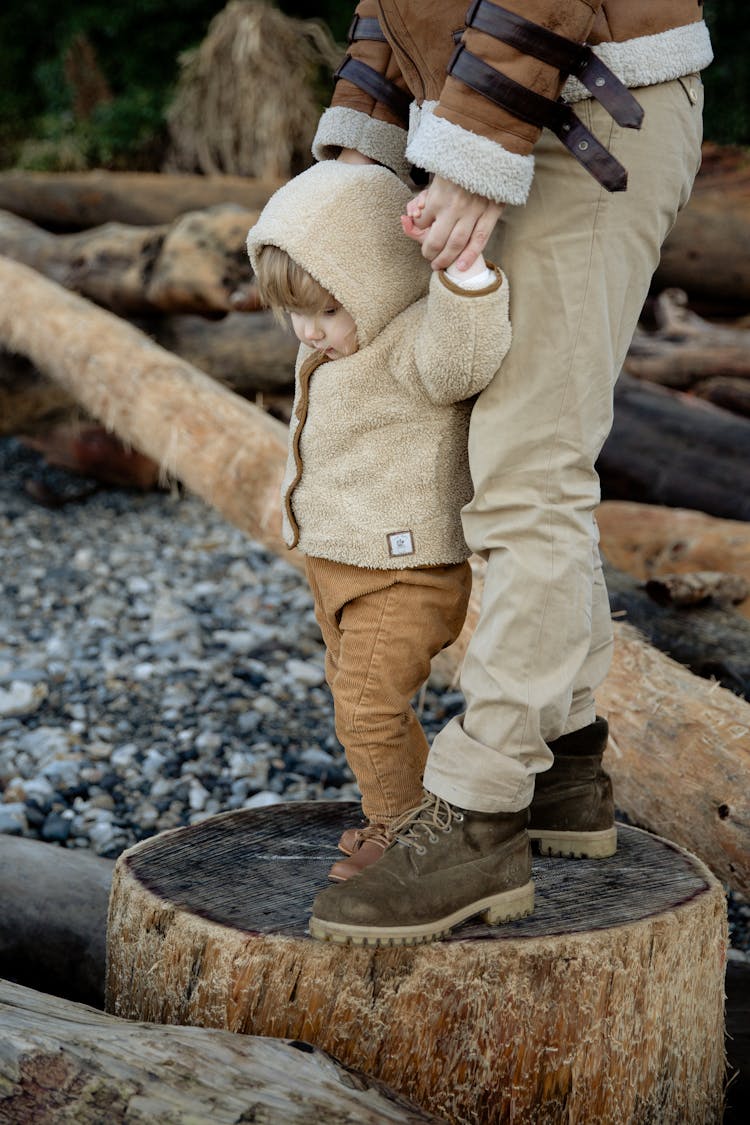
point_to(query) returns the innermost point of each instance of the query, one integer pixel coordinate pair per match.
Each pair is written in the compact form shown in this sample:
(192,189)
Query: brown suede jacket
(459,132)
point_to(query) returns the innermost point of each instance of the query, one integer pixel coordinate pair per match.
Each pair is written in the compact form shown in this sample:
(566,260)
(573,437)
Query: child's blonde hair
(283,285)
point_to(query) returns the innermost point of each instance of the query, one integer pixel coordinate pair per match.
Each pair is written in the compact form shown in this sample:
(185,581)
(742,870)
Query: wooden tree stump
(605,1006)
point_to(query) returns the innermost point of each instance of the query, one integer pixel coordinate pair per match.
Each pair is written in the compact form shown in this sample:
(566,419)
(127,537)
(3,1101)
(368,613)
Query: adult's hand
(458,224)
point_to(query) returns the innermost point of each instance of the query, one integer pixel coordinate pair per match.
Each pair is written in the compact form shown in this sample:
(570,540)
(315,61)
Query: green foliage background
(138,43)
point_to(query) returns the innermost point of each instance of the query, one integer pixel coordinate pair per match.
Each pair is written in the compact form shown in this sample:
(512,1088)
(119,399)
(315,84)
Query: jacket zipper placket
(306,373)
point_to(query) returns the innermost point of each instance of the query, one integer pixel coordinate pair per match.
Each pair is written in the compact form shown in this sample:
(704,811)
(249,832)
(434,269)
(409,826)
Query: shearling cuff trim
(341,127)
(651,59)
(469,160)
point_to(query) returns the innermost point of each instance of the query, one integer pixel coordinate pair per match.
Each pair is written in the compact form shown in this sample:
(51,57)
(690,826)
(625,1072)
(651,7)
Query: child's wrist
(473,278)
(477,269)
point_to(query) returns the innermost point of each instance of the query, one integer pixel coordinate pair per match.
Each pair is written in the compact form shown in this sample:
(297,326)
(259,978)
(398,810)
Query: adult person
(579,123)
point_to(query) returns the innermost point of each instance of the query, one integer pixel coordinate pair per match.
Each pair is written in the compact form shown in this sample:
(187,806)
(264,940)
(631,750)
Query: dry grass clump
(246,101)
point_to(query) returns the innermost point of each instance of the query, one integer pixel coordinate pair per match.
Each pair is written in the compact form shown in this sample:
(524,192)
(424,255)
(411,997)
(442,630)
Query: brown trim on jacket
(450,284)
(309,367)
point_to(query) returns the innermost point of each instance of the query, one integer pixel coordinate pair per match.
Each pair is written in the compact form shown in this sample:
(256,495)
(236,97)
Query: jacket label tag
(400,543)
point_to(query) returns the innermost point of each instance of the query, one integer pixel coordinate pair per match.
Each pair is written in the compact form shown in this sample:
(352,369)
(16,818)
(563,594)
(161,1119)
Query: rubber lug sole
(574,845)
(494,910)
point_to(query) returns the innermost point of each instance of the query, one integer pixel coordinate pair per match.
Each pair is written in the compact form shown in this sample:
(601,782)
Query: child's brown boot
(366,845)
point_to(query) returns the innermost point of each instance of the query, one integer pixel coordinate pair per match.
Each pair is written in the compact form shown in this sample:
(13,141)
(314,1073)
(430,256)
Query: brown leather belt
(364,28)
(543,112)
(378,87)
(569,58)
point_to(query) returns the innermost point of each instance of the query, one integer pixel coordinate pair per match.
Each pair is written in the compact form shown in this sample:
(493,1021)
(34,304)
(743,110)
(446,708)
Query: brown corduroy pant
(381,629)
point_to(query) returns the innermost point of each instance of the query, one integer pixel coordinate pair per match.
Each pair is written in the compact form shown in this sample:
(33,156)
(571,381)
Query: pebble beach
(157,667)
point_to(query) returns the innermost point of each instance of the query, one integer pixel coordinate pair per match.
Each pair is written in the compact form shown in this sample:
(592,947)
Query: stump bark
(606,1005)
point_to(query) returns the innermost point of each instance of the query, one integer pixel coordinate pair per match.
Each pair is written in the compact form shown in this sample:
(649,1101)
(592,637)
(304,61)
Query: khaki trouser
(579,262)
(381,629)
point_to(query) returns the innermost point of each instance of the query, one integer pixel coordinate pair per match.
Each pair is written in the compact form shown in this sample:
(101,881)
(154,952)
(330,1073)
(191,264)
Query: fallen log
(708,251)
(684,349)
(698,587)
(681,755)
(711,641)
(248,352)
(54,919)
(29,399)
(606,1004)
(61,1061)
(647,540)
(251,353)
(79,200)
(729,393)
(670,448)
(223,448)
(195,265)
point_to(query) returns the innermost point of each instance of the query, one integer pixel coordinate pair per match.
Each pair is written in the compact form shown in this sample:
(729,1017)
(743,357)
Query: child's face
(332,331)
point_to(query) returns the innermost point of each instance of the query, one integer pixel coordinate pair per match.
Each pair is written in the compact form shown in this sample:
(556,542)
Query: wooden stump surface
(258,870)
(606,1005)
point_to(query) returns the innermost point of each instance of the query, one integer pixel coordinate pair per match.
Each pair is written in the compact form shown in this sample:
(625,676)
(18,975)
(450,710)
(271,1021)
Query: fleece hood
(341,223)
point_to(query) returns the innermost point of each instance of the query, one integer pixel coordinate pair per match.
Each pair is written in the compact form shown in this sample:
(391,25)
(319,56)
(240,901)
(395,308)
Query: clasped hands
(451,224)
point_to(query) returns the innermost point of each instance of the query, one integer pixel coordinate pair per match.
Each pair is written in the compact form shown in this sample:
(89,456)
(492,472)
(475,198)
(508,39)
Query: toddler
(391,355)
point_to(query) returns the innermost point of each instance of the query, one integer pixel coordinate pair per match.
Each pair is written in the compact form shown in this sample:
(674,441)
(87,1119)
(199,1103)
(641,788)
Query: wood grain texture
(65,1064)
(78,200)
(606,1005)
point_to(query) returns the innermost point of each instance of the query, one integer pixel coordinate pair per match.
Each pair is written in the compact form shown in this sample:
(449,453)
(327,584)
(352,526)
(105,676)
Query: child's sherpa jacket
(378,467)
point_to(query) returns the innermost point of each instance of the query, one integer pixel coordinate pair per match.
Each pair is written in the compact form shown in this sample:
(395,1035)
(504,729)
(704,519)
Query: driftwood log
(64,1062)
(605,1005)
(221,446)
(251,353)
(708,251)
(28,399)
(680,755)
(53,919)
(196,264)
(670,448)
(684,351)
(648,540)
(76,201)
(248,352)
(710,640)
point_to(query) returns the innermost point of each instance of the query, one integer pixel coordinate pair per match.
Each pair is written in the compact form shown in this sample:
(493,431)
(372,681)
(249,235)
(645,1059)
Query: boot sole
(494,909)
(575,845)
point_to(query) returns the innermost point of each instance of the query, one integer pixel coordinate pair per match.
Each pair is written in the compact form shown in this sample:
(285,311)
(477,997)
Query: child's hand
(414,209)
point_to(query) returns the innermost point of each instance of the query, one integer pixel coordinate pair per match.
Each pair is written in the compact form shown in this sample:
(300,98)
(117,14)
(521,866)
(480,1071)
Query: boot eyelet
(432,838)
(421,849)
(448,828)
(459,816)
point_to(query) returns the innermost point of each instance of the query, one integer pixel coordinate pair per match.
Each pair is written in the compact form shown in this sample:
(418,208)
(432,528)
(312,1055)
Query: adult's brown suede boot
(573,813)
(445,865)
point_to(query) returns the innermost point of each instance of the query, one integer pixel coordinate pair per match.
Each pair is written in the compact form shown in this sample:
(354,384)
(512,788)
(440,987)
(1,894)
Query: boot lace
(377,833)
(422,823)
